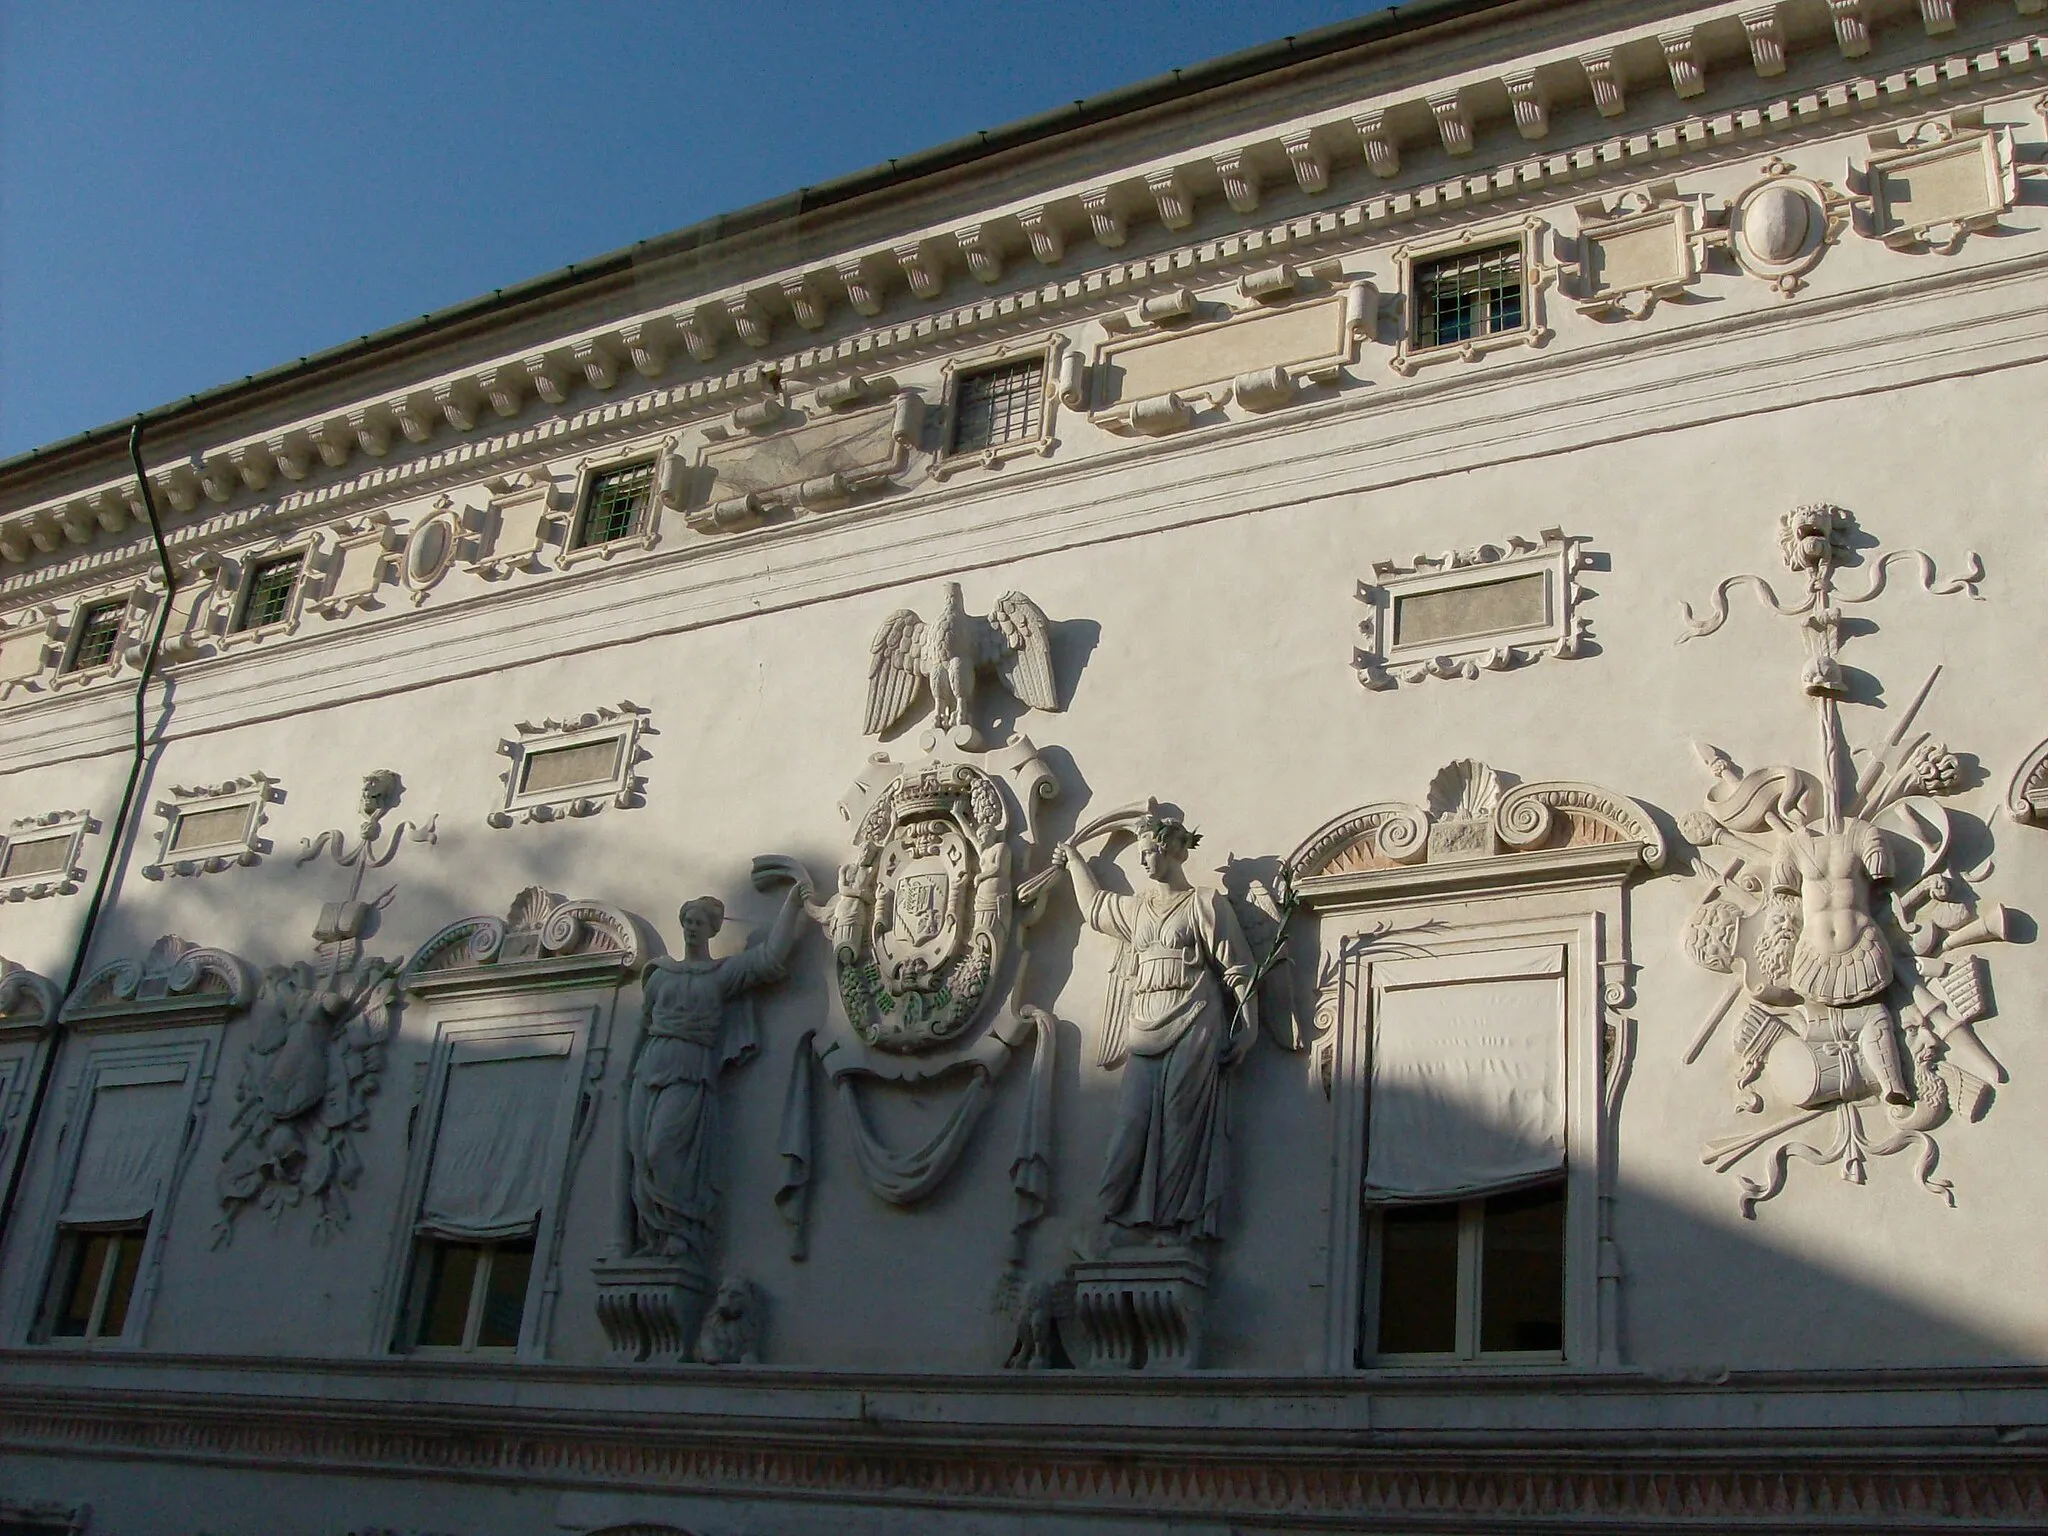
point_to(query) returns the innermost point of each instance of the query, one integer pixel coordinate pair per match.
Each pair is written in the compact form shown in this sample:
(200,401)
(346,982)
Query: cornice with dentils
(714,345)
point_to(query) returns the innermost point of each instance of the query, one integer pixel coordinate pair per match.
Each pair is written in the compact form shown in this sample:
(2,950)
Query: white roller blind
(1467,1085)
(132,1134)
(493,1150)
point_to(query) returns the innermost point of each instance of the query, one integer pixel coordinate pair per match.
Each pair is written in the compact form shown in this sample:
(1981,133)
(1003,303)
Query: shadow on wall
(1700,1290)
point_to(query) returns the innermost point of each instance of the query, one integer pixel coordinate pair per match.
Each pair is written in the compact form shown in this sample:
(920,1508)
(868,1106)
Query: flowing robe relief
(696,1022)
(1166,1166)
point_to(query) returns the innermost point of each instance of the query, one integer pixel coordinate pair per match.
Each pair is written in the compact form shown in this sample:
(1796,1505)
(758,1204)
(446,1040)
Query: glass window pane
(1521,1282)
(127,1261)
(451,1274)
(81,1283)
(613,505)
(505,1296)
(1418,1280)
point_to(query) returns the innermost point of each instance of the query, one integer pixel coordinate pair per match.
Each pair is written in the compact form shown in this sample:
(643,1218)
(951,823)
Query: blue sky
(191,192)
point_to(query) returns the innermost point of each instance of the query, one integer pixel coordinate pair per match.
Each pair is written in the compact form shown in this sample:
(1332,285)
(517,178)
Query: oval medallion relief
(430,550)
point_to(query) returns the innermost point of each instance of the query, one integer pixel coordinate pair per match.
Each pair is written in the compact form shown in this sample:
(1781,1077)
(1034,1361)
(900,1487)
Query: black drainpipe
(118,829)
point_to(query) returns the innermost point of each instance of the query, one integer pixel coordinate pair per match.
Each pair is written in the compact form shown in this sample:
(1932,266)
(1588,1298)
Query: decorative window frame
(28,1021)
(626,790)
(1635,213)
(648,534)
(338,551)
(1382,663)
(1484,867)
(237,575)
(33,630)
(79,825)
(419,569)
(1537,275)
(514,1026)
(138,600)
(1050,349)
(256,792)
(1960,135)
(2026,797)
(192,1061)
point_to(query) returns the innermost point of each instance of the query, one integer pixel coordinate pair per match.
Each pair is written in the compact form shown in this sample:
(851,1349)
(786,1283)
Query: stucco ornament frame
(252,793)
(848,443)
(439,540)
(1537,275)
(1836,902)
(1617,231)
(2026,798)
(1957,143)
(28,1019)
(553,965)
(928,922)
(231,590)
(1485,866)
(138,599)
(1052,351)
(1779,227)
(74,827)
(641,538)
(174,983)
(1382,660)
(624,789)
(25,647)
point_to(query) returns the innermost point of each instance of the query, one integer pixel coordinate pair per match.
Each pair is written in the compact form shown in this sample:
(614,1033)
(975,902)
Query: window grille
(1474,294)
(999,405)
(99,630)
(269,599)
(613,505)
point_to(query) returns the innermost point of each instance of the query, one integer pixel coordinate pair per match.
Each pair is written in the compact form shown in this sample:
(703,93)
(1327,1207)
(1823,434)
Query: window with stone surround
(997,406)
(94,636)
(268,599)
(1470,294)
(614,504)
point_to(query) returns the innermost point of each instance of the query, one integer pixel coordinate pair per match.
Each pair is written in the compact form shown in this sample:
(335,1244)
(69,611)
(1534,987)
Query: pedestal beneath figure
(1140,1311)
(650,1307)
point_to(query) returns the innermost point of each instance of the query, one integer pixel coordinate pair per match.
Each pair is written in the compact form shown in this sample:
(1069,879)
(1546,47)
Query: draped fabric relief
(491,1156)
(131,1142)
(1467,1090)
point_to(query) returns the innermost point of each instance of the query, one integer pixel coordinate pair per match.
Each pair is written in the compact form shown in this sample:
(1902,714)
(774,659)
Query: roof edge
(1176,85)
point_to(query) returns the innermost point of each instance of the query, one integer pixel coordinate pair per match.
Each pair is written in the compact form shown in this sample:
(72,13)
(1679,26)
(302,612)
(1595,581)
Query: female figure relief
(1178,1017)
(696,1020)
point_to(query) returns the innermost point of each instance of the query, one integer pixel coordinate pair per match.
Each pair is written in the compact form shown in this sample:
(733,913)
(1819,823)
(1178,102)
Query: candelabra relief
(1841,904)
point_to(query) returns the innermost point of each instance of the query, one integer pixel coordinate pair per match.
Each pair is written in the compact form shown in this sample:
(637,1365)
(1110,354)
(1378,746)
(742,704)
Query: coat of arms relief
(1841,903)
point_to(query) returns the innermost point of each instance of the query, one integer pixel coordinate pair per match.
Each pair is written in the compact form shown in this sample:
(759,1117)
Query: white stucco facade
(1625,700)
